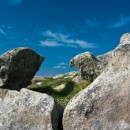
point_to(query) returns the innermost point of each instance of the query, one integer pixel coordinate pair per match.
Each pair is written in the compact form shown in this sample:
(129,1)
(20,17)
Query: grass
(62,96)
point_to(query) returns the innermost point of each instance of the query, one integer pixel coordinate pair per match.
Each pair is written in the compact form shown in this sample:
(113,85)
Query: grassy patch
(63,95)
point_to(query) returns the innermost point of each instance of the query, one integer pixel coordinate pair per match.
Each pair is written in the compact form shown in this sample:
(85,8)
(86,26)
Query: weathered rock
(82,58)
(18,67)
(104,104)
(38,78)
(89,66)
(105,58)
(62,86)
(28,110)
(66,75)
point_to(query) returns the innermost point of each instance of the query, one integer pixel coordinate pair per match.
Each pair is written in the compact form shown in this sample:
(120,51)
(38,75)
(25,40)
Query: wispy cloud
(49,43)
(64,40)
(61,65)
(2,32)
(122,22)
(91,23)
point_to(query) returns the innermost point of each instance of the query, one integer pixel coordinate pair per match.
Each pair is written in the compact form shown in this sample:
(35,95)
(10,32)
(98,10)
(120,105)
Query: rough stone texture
(89,66)
(104,104)
(80,59)
(105,58)
(18,67)
(28,110)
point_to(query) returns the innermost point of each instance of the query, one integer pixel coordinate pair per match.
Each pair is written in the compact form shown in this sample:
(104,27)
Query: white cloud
(122,22)
(49,43)
(84,44)
(61,65)
(59,39)
(51,34)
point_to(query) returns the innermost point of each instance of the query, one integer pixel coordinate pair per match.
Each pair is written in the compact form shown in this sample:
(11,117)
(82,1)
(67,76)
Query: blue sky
(60,29)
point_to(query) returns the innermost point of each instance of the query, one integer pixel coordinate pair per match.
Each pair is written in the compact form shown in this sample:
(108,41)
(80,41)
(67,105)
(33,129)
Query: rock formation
(18,67)
(104,104)
(66,75)
(28,110)
(89,65)
(25,110)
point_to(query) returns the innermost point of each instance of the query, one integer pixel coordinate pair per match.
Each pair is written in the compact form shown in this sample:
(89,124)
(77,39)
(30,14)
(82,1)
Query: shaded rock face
(104,104)
(28,110)
(18,67)
(89,66)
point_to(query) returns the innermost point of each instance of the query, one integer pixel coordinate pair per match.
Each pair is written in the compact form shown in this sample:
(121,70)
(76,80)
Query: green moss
(63,95)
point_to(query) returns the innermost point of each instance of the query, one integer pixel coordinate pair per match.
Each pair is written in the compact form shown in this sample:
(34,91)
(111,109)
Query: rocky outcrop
(89,66)
(104,104)
(18,67)
(25,110)
(66,75)
(105,58)
(28,110)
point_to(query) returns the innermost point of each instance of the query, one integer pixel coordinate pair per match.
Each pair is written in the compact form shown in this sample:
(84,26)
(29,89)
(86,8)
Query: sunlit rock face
(89,65)
(18,67)
(28,110)
(104,104)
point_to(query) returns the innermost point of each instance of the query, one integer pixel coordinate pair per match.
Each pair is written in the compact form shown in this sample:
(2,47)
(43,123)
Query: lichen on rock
(104,104)
(18,67)
(28,110)
(89,65)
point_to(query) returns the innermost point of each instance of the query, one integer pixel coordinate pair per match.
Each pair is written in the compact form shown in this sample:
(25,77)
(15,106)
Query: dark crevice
(56,117)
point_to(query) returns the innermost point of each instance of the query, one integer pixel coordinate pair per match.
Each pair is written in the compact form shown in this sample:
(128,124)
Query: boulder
(28,110)
(81,59)
(89,66)
(66,75)
(104,104)
(105,58)
(18,67)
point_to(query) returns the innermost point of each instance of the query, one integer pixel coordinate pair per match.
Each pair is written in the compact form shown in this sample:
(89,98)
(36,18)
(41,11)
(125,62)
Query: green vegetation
(63,94)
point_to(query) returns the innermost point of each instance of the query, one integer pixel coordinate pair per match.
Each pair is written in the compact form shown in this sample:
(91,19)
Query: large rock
(89,66)
(18,67)
(66,75)
(28,110)
(105,58)
(104,104)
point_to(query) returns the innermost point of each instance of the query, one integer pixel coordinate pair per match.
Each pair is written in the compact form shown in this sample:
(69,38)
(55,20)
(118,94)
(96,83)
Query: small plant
(62,96)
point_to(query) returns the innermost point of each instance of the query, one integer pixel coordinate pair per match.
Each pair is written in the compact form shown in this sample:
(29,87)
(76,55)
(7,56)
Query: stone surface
(28,110)
(38,78)
(39,83)
(18,67)
(89,66)
(66,75)
(105,58)
(62,86)
(104,104)
(80,59)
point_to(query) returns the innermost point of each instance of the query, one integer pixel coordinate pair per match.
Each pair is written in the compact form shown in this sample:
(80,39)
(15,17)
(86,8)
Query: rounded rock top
(22,64)
(124,38)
